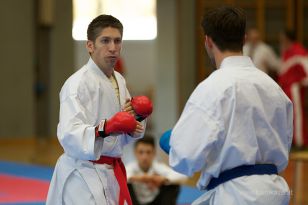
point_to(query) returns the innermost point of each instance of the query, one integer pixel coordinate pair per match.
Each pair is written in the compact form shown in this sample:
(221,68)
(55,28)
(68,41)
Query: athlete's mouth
(112,57)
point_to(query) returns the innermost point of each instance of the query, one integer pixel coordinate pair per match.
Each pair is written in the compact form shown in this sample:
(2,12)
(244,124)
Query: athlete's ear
(90,46)
(208,41)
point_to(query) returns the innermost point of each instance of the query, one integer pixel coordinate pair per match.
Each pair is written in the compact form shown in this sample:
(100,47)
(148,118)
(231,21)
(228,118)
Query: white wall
(17,69)
(140,62)
(166,96)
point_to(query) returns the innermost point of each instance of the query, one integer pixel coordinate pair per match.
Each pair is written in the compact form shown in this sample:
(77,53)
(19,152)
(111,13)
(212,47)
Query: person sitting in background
(262,55)
(149,181)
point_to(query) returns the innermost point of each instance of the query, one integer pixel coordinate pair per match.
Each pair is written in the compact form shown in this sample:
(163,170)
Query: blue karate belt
(244,170)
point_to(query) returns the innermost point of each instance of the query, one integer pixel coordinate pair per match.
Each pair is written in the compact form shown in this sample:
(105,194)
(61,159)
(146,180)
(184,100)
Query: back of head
(101,22)
(226,26)
(290,35)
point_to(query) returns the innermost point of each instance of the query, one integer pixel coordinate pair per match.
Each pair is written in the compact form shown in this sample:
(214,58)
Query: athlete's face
(145,154)
(106,49)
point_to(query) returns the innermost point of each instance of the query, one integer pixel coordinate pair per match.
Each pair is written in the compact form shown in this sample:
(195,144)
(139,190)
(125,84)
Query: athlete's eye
(117,41)
(105,40)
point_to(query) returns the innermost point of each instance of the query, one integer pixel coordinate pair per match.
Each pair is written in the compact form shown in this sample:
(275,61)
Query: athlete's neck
(108,72)
(220,56)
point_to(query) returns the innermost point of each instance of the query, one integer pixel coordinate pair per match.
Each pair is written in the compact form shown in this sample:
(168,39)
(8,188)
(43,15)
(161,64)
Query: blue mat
(26,170)
(187,194)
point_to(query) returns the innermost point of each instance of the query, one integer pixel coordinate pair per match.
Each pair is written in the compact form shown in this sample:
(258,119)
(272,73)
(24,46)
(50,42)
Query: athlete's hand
(128,107)
(139,128)
(158,180)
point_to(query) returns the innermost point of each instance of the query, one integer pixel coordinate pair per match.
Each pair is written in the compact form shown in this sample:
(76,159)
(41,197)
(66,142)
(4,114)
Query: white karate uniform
(237,116)
(87,98)
(143,192)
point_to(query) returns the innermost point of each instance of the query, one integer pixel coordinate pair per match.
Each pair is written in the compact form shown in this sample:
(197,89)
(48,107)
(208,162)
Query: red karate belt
(120,174)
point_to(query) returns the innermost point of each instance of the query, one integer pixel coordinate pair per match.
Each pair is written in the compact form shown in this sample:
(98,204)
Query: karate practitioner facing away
(236,127)
(97,118)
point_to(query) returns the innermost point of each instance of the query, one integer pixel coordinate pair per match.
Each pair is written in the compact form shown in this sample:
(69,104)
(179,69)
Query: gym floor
(29,162)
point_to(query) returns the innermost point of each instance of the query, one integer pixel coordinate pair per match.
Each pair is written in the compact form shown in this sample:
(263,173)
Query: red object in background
(295,50)
(290,81)
(119,66)
(14,189)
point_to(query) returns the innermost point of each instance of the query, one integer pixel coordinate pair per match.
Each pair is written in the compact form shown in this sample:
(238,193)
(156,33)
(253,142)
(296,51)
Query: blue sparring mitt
(164,141)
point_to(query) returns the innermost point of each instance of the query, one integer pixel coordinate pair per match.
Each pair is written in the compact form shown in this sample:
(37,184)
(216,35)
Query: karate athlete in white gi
(236,127)
(96,120)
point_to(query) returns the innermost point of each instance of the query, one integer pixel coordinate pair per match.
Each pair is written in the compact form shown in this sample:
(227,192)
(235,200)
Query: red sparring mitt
(142,106)
(121,122)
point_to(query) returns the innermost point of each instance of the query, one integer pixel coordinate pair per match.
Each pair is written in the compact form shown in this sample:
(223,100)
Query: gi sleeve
(272,61)
(76,130)
(172,176)
(195,140)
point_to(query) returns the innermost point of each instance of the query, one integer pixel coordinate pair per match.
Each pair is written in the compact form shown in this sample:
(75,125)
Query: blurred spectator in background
(151,182)
(293,80)
(261,54)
